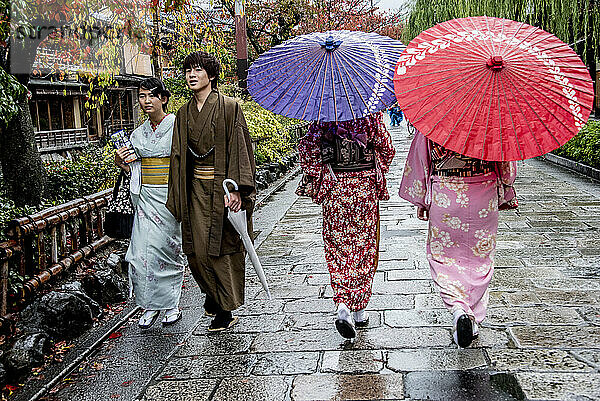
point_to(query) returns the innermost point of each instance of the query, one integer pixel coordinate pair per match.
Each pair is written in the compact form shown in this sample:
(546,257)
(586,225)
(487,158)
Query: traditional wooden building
(60,119)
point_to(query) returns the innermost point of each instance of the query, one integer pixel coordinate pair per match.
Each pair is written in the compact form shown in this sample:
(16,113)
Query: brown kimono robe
(213,247)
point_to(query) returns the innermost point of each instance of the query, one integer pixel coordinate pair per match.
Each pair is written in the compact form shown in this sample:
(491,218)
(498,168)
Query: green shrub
(175,103)
(585,146)
(269,131)
(8,212)
(89,172)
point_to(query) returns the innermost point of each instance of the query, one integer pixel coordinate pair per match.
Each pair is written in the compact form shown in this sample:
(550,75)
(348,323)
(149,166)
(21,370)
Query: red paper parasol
(493,89)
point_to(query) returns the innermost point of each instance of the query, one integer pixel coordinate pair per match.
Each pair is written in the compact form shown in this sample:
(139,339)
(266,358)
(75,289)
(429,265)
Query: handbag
(118,220)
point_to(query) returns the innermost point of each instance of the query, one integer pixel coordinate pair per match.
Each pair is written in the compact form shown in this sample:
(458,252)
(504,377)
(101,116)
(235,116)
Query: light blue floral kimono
(155,254)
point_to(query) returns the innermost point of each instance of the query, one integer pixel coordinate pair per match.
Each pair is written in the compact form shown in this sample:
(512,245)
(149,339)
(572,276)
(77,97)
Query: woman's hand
(422,213)
(234,202)
(121,155)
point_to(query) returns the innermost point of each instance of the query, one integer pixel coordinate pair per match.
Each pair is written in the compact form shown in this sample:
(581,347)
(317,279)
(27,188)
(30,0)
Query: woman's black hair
(157,88)
(206,61)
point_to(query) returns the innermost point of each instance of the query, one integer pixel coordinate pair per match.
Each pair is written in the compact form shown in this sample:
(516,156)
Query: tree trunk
(23,173)
(156,43)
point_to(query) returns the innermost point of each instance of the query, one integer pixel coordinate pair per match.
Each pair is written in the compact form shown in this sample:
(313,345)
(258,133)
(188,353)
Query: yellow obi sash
(204,172)
(155,170)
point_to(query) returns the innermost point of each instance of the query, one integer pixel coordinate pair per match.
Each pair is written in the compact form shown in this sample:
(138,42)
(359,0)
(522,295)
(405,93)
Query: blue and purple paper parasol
(327,76)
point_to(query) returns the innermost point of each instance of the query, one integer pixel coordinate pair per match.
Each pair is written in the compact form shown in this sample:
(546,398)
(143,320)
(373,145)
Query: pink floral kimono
(350,201)
(463,222)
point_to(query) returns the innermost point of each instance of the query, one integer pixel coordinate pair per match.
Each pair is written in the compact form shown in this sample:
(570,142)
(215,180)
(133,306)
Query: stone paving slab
(591,357)
(417,318)
(387,386)
(543,360)
(493,338)
(208,366)
(391,301)
(252,388)
(286,363)
(409,360)
(353,361)
(562,337)
(541,339)
(567,297)
(514,316)
(428,301)
(305,340)
(405,337)
(560,386)
(181,390)
(512,299)
(417,274)
(214,344)
(260,324)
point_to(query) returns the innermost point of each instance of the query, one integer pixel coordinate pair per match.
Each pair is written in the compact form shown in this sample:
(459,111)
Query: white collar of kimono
(162,127)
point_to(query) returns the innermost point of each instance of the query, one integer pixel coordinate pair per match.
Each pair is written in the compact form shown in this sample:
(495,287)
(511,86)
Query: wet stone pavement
(541,340)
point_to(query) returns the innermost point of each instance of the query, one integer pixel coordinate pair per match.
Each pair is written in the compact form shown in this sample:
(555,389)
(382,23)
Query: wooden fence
(44,244)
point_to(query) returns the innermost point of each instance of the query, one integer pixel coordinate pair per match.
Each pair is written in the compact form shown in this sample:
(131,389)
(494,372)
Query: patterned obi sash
(203,172)
(447,163)
(155,170)
(346,155)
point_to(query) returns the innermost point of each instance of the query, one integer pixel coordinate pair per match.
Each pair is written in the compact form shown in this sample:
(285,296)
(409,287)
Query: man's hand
(121,155)
(234,202)
(422,213)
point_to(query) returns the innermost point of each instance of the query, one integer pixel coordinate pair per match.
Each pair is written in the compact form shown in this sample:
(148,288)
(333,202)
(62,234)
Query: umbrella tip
(495,63)
(330,44)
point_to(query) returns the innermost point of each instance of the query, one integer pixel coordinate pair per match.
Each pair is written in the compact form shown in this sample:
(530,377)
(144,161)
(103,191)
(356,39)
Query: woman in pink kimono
(460,196)
(344,166)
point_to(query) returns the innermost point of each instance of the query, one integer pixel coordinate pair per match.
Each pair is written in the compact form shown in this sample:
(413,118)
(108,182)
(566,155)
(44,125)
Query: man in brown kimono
(210,143)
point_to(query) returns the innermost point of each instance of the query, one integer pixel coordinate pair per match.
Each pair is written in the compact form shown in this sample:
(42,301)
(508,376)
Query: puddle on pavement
(463,385)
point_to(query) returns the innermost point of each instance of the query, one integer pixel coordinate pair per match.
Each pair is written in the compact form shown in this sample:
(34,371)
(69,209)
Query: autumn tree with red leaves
(352,15)
(271,22)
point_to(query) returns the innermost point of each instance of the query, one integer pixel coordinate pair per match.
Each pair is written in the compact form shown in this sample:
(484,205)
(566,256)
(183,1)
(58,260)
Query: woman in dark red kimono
(344,166)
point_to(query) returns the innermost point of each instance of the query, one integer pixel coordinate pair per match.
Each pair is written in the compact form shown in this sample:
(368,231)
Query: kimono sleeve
(309,149)
(415,179)
(507,196)
(174,195)
(241,167)
(315,181)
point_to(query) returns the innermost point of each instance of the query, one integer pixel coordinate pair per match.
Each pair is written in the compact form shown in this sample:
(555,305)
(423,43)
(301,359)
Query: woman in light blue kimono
(155,255)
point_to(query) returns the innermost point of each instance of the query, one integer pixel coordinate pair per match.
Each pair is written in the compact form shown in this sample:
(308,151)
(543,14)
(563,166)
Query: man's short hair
(206,61)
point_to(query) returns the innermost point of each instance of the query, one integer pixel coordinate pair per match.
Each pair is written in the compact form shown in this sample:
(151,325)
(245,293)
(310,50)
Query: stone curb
(573,165)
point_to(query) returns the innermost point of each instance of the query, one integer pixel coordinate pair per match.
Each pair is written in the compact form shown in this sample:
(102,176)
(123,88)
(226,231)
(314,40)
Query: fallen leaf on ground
(97,365)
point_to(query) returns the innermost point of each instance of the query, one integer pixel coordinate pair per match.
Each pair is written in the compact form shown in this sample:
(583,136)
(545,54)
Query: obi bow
(359,137)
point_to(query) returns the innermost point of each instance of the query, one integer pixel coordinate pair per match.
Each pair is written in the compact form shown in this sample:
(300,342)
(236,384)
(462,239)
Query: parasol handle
(232,182)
